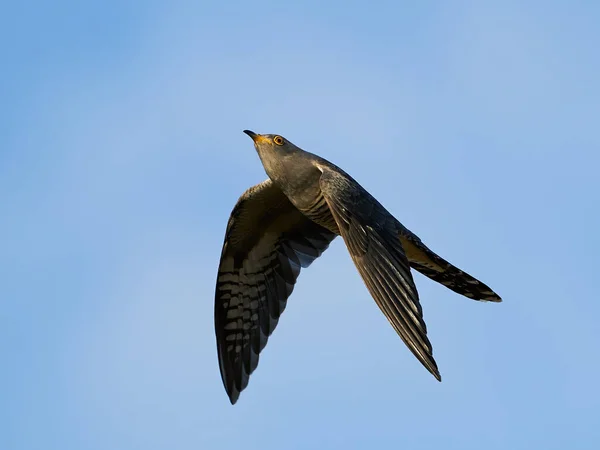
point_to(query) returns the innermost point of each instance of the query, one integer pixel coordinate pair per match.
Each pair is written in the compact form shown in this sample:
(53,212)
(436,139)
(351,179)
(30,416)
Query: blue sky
(122,154)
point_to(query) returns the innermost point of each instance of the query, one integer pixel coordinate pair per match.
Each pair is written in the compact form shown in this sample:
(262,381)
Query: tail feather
(433,266)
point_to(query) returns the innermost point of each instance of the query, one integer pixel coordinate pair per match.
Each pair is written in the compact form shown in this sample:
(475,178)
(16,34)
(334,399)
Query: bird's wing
(370,235)
(266,243)
(433,266)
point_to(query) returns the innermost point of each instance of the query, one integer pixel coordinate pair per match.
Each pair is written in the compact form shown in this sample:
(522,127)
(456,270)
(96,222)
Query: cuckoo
(283,224)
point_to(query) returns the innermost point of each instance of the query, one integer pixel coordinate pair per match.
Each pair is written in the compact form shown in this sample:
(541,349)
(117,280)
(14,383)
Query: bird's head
(269,143)
(280,158)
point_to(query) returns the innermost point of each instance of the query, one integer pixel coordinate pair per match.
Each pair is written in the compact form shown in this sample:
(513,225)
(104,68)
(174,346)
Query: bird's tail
(433,266)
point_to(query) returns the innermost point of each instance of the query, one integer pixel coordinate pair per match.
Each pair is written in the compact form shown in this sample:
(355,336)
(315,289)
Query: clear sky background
(122,153)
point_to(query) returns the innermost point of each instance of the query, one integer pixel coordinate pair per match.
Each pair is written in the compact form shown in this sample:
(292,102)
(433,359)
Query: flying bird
(286,222)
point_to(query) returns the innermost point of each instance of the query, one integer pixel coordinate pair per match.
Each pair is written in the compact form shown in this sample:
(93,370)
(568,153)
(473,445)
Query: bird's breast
(318,211)
(299,180)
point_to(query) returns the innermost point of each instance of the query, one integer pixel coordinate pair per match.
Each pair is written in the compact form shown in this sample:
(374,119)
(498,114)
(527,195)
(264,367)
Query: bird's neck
(289,171)
(274,163)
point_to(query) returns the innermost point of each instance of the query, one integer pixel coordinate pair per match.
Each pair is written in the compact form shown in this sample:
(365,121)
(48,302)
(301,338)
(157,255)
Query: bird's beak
(252,134)
(255,137)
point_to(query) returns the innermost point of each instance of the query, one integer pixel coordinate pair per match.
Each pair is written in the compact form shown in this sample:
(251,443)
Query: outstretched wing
(266,243)
(370,234)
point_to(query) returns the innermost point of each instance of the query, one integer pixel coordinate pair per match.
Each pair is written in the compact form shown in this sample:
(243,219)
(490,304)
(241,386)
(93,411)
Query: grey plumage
(283,224)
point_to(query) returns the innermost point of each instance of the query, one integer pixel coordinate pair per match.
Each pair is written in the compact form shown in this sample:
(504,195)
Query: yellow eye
(278,140)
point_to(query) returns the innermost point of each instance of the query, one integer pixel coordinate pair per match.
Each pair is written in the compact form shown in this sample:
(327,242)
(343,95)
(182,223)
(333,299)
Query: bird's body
(283,224)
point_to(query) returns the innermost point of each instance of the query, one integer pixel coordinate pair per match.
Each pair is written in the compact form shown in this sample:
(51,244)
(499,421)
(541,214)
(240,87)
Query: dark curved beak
(252,134)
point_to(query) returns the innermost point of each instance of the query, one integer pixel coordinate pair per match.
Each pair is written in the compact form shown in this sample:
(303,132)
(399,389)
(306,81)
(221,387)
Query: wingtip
(233,397)
(433,370)
(232,394)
